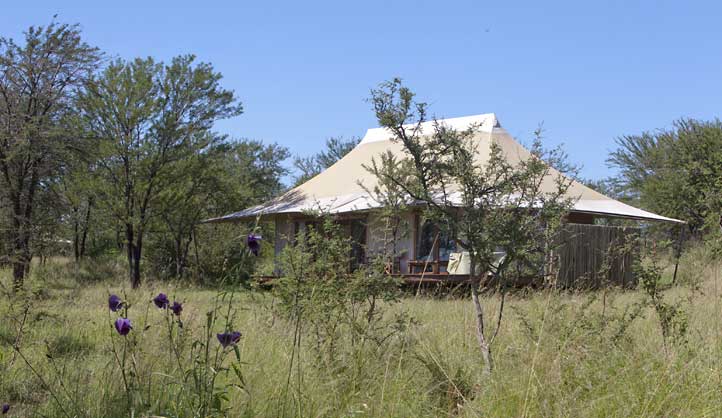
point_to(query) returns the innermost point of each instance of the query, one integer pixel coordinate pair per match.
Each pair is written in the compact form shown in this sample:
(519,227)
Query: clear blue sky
(590,71)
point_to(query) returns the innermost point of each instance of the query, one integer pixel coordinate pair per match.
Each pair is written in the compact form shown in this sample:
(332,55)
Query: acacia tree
(675,172)
(38,81)
(148,117)
(485,207)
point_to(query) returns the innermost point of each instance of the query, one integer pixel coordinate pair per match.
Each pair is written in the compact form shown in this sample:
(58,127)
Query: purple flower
(161,301)
(123,326)
(114,303)
(229,338)
(254,243)
(177,308)
(5,408)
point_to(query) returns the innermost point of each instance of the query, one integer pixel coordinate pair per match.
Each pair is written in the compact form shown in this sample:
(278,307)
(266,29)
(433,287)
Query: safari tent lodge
(342,191)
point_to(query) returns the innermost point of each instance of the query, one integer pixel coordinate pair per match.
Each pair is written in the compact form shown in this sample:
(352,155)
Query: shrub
(673,320)
(342,312)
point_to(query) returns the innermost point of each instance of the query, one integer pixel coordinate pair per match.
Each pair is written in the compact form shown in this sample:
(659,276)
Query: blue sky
(589,71)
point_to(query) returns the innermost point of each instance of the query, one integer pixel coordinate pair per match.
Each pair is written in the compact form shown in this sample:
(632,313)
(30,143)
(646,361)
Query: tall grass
(557,355)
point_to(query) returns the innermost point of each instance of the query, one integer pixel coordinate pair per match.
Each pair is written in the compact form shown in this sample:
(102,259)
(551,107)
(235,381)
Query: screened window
(433,244)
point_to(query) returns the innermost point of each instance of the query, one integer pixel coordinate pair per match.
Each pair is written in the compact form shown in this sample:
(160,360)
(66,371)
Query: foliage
(673,320)
(676,172)
(76,187)
(38,82)
(222,179)
(341,311)
(98,161)
(485,207)
(163,115)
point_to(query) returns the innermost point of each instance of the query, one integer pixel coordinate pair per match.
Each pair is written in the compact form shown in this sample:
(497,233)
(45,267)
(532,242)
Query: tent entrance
(432,248)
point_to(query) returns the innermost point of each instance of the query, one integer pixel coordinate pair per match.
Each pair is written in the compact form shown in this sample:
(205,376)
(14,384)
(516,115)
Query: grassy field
(557,355)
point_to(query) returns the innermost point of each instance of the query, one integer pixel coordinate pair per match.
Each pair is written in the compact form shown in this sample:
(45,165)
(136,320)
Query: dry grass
(557,355)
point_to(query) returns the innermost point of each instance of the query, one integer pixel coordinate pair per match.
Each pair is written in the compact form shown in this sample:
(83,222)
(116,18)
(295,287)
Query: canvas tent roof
(342,187)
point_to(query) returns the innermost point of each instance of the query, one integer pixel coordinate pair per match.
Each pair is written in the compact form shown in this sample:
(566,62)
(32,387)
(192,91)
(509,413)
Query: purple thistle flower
(177,308)
(161,301)
(5,408)
(254,243)
(115,303)
(229,338)
(123,326)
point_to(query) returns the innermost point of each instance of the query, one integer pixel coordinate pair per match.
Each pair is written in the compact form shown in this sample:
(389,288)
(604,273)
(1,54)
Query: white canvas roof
(341,188)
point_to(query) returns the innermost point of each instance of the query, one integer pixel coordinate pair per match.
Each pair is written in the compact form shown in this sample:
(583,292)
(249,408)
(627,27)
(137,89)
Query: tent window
(434,244)
(358,243)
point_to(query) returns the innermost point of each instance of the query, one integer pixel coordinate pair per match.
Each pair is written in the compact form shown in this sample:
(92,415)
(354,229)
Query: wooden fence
(594,256)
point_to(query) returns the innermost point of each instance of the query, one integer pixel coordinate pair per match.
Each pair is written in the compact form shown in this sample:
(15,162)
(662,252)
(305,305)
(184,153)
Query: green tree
(148,117)
(228,175)
(38,81)
(309,167)
(676,172)
(484,206)
(74,187)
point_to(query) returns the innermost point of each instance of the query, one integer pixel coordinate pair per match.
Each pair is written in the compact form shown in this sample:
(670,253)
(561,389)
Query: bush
(342,312)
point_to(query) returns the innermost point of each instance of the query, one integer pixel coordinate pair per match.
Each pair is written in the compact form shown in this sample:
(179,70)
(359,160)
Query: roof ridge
(487,122)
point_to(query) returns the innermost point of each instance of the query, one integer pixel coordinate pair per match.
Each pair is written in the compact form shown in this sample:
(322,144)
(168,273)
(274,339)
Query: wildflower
(254,243)
(161,301)
(229,338)
(177,308)
(123,326)
(114,303)
(5,408)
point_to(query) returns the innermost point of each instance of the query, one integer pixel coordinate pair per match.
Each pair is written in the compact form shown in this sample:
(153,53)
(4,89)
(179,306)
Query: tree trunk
(119,242)
(133,255)
(21,265)
(136,256)
(135,272)
(83,239)
(186,251)
(129,249)
(483,344)
(20,257)
(85,229)
(178,244)
(194,239)
(22,225)
(18,273)
(76,236)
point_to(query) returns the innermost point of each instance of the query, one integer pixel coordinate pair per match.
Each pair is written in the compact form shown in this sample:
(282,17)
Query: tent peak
(486,122)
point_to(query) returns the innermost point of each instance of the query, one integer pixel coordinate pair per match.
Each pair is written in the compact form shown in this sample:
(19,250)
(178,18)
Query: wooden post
(678,253)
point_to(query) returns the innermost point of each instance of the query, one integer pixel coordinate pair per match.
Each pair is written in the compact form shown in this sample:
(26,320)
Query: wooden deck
(432,278)
(407,278)
(440,279)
